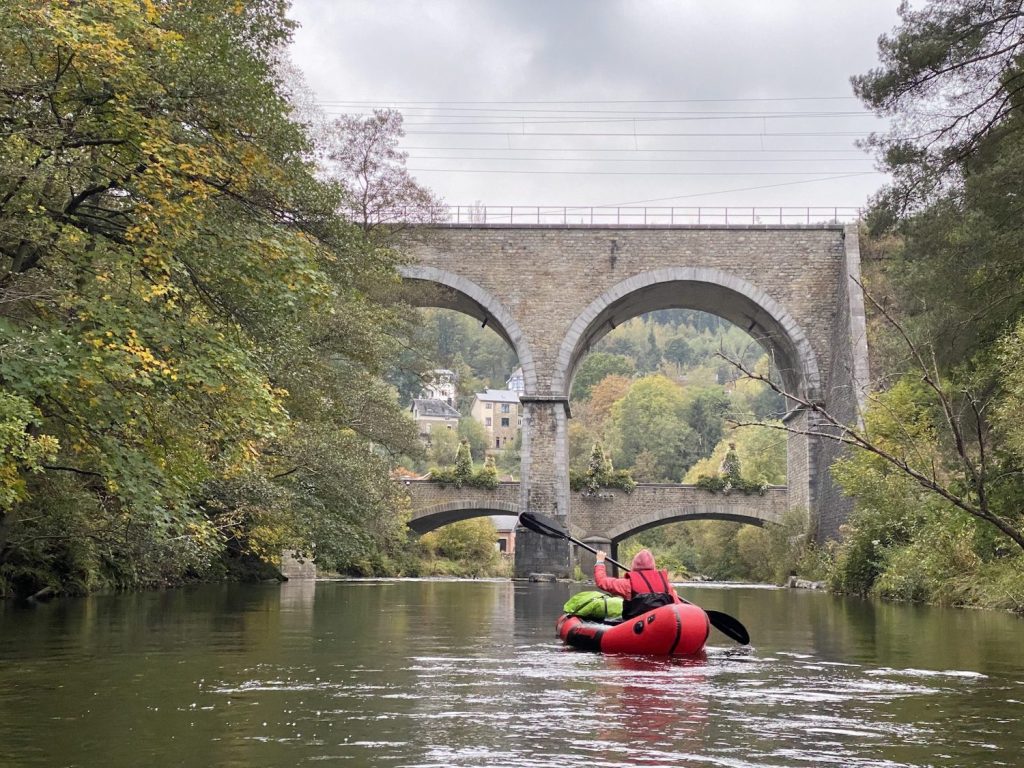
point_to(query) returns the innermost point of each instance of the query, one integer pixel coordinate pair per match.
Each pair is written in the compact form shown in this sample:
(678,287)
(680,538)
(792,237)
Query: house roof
(498,396)
(431,408)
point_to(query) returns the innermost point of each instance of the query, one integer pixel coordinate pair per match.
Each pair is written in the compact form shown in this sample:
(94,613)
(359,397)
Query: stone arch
(706,511)
(705,289)
(465,296)
(429,518)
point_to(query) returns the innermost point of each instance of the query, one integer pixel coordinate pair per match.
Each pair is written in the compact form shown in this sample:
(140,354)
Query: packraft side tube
(679,629)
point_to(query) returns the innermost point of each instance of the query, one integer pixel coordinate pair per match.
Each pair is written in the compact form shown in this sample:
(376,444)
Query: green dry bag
(593,605)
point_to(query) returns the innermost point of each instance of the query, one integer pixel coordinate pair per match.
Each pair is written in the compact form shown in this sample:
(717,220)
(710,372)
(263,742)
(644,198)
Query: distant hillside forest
(657,396)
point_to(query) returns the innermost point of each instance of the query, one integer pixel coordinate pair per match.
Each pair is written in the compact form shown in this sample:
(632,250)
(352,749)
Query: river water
(436,673)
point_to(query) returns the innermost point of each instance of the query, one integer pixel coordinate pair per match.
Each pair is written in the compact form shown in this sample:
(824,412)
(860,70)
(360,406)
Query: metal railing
(632,216)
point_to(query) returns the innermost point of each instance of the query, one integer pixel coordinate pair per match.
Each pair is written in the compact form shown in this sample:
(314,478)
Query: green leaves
(191,335)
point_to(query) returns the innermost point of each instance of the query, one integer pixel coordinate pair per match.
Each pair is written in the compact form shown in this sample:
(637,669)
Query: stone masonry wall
(845,392)
(545,277)
(551,291)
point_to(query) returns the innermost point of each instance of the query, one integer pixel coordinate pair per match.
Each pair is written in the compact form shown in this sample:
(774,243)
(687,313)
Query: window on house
(487,421)
(504,407)
(497,442)
(489,406)
(449,426)
(504,422)
(520,422)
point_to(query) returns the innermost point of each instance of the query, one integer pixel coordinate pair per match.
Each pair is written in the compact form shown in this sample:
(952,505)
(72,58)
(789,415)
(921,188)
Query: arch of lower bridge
(700,512)
(704,289)
(429,518)
(462,295)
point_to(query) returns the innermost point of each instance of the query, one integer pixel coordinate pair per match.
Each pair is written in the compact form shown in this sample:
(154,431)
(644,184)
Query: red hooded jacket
(634,583)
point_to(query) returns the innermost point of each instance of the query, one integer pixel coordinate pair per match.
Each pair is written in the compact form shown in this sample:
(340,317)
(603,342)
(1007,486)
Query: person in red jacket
(644,587)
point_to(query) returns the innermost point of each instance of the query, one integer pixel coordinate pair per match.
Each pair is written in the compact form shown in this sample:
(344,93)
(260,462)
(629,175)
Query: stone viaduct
(552,291)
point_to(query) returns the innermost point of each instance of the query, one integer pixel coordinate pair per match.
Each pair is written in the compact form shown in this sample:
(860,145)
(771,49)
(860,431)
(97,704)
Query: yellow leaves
(152,14)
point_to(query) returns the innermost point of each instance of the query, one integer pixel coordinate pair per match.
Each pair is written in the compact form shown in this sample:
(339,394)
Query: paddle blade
(545,526)
(727,625)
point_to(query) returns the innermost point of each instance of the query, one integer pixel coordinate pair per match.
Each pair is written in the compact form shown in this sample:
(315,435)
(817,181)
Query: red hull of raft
(679,629)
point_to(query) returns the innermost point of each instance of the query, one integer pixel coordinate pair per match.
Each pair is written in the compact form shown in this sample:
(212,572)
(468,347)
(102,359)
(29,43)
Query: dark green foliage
(705,413)
(486,477)
(601,474)
(945,521)
(720,484)
(463,464)
(466,548)
(595,368)
(192,337)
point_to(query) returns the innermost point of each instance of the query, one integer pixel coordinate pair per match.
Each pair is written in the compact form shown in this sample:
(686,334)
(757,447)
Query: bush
(620,478)
(485,478)
(721,484)
(600,474)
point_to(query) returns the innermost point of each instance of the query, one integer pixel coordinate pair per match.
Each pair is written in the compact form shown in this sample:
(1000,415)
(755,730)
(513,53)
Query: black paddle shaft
(545,526)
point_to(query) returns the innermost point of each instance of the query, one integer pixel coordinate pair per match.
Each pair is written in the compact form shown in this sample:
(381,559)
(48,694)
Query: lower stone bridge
(602,520)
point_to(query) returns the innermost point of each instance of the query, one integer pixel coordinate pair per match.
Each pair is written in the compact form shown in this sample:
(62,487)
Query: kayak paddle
(545,526)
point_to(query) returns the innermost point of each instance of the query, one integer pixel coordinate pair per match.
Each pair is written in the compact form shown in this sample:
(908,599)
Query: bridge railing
(633,216)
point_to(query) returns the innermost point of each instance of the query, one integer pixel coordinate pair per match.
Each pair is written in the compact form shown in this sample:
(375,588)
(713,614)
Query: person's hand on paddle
(600,557)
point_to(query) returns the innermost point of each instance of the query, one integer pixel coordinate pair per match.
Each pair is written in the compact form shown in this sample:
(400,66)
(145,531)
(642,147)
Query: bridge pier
(544,488)
(587,559)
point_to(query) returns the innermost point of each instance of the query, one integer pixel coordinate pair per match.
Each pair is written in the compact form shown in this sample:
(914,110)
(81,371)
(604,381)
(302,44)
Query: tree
(950,78)
(444,445)
(603,397)
(467,541)
(678,352)
(761,452)
(646,468)
(509,460)
(363,156)
(705,411)
(197,337)
(934,436)
(651,359)
(730,468)
(951,81)
(474,435)
(652,417)
(463,464)
(595,368)
(599,468)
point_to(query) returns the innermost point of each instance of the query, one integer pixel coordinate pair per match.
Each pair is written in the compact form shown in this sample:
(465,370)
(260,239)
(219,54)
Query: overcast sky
(610,102)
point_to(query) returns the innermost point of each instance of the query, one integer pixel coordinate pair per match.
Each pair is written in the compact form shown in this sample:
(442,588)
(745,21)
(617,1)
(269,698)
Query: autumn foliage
(175,287)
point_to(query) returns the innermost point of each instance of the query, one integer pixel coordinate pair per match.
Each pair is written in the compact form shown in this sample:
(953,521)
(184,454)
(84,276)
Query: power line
(616,117)
(729,191)
(443,120)
(597,101)
(635,134)
(644,160)
(636,173)
(631,150)
(596,116)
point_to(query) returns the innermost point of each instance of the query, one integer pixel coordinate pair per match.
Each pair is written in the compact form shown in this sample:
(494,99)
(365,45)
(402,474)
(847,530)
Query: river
(443,673)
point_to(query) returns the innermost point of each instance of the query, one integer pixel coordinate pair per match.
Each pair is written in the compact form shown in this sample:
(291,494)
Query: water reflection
(425,673)
(653,705)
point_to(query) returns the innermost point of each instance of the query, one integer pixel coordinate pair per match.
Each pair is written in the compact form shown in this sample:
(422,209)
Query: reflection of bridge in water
(552,290)
(603,520)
